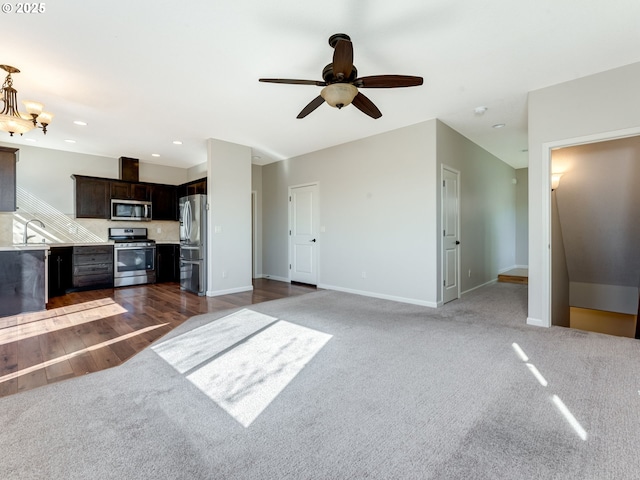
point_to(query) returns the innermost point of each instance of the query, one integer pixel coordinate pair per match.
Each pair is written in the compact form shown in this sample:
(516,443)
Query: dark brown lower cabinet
(167,263)
(22,282)
(60,270)
(93,266)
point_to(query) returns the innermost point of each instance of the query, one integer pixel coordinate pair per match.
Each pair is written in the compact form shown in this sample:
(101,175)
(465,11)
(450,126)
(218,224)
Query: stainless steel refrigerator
(193,244)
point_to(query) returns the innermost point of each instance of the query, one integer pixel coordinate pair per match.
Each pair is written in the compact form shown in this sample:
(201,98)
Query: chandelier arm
(10,101)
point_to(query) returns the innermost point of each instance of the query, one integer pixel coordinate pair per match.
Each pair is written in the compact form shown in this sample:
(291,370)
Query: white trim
(490,282)
(444,167)
(217,293)
(254,232)
(545,203)
(513,267)
(411,301)
(274,277)
(536,322)
(317,212)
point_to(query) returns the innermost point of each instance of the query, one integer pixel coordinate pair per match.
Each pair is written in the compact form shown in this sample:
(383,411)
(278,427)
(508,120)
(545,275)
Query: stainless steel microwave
(136,210)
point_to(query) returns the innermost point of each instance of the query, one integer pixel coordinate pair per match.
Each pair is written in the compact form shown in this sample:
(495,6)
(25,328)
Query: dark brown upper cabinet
(129,191)
(92,197)
(164,201)
(193,188)
(8,179)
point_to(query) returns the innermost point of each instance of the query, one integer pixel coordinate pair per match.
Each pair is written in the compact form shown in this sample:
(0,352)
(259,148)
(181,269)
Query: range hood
(129,169)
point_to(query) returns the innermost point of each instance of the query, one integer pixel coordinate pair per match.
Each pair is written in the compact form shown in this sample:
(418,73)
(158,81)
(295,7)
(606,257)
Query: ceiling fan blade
(387,81)
(343,59)
(317,83)
(313,104)
(365,105)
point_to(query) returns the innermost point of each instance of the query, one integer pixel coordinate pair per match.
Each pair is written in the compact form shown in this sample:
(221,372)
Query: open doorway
(595,204)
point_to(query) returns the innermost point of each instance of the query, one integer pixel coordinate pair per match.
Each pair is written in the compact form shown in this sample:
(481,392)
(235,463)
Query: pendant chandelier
(13,121)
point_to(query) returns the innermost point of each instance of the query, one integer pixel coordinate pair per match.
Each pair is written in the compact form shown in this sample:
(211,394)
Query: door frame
(540,279)
(444,167)
(289,227)
(254,235)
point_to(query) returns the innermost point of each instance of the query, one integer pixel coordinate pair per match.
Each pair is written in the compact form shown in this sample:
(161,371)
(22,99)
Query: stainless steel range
(134,257)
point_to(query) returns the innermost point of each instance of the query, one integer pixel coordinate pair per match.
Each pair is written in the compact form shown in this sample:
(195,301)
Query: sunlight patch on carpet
(190,349)
(244,360)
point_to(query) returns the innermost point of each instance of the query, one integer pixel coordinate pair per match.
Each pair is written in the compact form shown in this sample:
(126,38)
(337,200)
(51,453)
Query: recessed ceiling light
(155,154)
(177,142)
(499,125)
(256,157)
(70,141)
(80,122)
(480,110)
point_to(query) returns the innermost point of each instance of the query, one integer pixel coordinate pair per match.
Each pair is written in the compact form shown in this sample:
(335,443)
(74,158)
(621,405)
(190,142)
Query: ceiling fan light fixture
(339,95)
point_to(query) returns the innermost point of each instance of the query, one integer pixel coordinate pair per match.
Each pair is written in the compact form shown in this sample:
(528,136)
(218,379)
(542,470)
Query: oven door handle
(134,248)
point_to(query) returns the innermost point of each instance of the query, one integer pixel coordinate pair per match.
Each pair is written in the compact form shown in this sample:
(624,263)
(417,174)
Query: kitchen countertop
(30,246)
(47,246)
(79,244)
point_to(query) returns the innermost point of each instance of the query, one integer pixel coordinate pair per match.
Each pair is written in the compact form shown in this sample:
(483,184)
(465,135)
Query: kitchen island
(23,278)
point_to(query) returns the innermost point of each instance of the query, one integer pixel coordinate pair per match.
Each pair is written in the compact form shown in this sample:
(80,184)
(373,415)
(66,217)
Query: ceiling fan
(341,81)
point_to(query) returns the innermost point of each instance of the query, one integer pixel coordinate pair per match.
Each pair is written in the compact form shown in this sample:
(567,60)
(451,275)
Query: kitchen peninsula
(23,274)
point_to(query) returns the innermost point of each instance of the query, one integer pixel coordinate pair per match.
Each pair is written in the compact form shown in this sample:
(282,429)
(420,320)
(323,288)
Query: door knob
(314,240)
(457,242)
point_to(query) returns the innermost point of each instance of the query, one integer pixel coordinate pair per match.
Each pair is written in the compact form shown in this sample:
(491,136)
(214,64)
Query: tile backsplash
(61,228)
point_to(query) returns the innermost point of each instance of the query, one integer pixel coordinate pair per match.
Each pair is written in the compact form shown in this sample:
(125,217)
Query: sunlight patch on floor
(201,344)
(63,358)
(562,408)
(32,325)
(570,418)
(243,375)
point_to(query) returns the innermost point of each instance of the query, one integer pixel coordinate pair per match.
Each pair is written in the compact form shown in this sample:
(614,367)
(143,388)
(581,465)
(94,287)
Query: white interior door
(303,234)
(451,234)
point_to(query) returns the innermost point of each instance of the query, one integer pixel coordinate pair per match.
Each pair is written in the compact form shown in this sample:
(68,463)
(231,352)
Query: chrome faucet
(26,237)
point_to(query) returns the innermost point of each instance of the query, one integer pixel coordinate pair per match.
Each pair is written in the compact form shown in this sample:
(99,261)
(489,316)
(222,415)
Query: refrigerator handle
(187,219)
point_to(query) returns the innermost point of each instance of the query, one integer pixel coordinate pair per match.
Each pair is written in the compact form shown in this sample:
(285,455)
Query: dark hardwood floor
(85,332)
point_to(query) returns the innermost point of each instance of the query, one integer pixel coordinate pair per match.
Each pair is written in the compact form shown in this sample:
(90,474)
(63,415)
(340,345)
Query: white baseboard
(536,322)
(412,301)
(513,267)
(274,277)
(490,282)
(217,293)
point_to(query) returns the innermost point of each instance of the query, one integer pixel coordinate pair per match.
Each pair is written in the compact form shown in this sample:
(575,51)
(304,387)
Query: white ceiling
(144,73)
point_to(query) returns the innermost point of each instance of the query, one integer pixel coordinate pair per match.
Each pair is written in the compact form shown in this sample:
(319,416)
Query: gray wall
(377,201)
(599,207)
(560,315)
(522,217)
(487,208)
(380,207)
